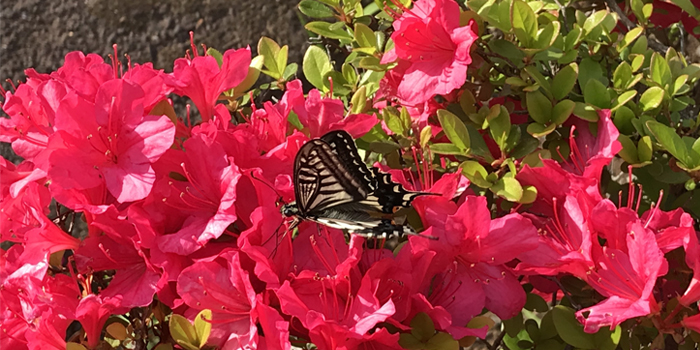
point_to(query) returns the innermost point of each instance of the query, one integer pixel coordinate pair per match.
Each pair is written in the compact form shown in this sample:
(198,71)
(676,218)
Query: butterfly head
(290,209)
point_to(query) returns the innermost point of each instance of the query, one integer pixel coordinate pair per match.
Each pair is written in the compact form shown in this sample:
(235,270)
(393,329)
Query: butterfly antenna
(280,199)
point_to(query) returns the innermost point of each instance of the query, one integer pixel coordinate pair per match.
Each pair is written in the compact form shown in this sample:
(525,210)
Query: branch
(652,41)
(497,341)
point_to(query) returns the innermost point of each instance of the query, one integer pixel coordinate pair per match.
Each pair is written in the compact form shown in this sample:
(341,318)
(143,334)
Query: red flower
(92,312)
(222,286)
(109,144)
(202,80)
(436,48)
(627,278)
(470,255)
(206,199)
(322,115)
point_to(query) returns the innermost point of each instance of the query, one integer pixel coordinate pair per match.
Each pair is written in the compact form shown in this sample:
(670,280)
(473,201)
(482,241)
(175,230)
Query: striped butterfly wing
(329,172)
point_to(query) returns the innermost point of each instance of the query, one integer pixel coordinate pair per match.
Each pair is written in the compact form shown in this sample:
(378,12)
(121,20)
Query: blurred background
(38,34)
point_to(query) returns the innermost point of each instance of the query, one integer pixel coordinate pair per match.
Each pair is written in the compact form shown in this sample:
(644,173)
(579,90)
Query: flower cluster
(183,218)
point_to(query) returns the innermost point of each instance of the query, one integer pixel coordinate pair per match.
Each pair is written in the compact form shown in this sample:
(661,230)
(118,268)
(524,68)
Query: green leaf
(454,129)
(660,71)
(585,112)
(645,149)
(315,65)
(623,98)
(594,21)
(315,9)
(564,81)
(596,94)
(290,71)
(328,30)
(269,49)
(631,36)
(425,135)
(539,130)
(442,341)
(569,329)
(647,10)
(499,125)
(446,148)
(539,107)
(359,100)
(535,302)
(183,332)
(524,22)
(547,36)
(422,327)
(588,70)
(629,151)
(622,76)
(606,339)
(670,140)
(509,188)
(476,173)
(202,325)
(365,36)
(651,98)
(547,328)
(539,78)
(562,111)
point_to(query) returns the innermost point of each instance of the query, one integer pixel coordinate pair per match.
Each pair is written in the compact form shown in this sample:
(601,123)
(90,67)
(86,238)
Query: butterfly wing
(324,177)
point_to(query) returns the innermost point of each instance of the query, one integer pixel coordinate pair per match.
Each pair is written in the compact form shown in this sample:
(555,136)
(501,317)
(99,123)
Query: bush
(546,153)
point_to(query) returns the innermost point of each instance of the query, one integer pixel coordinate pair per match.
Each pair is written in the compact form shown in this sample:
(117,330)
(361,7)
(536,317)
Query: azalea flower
(626,278)
(470,254)
(432,50)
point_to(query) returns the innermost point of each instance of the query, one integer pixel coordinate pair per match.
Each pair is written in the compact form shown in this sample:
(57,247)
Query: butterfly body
(334,187)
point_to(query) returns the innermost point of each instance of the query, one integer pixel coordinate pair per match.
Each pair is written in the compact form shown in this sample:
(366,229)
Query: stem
(497,341)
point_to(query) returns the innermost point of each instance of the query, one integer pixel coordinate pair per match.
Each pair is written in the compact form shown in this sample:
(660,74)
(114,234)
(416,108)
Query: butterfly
(334,187)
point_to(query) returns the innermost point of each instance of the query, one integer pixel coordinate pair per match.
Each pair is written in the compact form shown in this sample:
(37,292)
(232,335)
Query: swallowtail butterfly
(334,187)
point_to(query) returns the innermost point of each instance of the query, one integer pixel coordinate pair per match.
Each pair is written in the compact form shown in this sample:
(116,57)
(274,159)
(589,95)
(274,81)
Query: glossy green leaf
(660,71)
(588,70)
(315,9)
(183,332)
(476,173)
(670,140)
(425,135)
(629,151)
(569,329)
(651,98)
(630,37)
(622,76)
(328,30)
(442,341)
(315,65)
(535,302)
(359,100)
(606,339)
(365,36)
(454,129)
(623,98)
(524,22)
(508,188)
(564,81)
(596,94)
(562,111)
(202,325)
(514,325)
(446,148)
(539,107)
(539,130)
(422,327)
(645,149)
(585,112)
(269,49)
(547,328)
(547,36)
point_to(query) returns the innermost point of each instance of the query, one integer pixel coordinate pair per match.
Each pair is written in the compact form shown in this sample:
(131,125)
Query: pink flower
(565,241)
(436,48)
(222,286)
(202,80)
(92,312)
(589,152)
(206,199)
(692,258)
(321,115)
(627,278)
(110,143)
(470,255)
